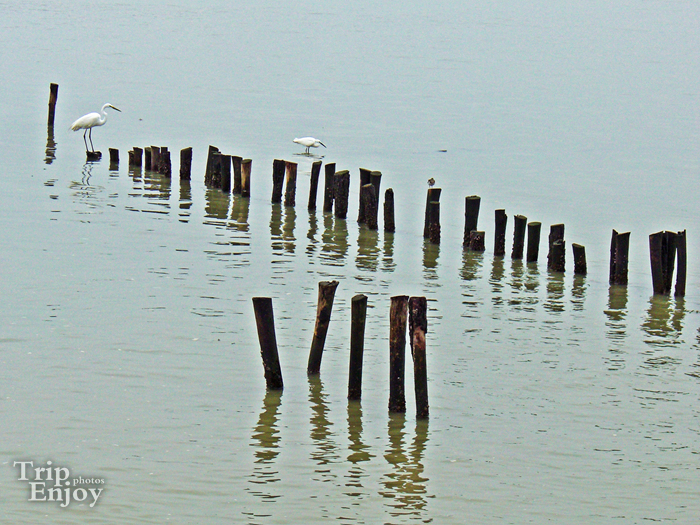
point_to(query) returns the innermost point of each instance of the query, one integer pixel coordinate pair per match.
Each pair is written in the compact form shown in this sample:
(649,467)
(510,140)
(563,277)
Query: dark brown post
(113,156)
(138,157)
(291,191)
(417,328)
(215,166)
(53,98)
(265,322)
(657,266)
(557,256)
(313,187)
(357,345)
(368,199)
(471,217)
(499,243)
(389,224)
(148,158)
(397,352)
(619,257)
(434,229)
(226,173)
(533,241)
(246,169)
(155,158)
(519,236)
(236,169)
(208,169)
(185,163)
(341,192)
(556,233)
(477,241)
(329,187)
(278,168)
(164,161)
(580,266)
(433,196)
(364,180)
(326,293)
(682,264)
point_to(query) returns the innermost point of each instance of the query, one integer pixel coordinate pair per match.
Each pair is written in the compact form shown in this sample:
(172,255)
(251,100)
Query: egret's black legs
(85,140)
(93,147)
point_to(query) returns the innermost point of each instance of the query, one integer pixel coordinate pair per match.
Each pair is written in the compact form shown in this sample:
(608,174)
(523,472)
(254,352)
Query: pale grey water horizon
(128,344)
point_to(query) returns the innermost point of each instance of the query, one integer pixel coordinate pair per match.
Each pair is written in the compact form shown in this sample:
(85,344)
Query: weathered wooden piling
(434,229)
(326,294)
(682,256)
(329,187)
(375,178)
(265,321)
(619,257)
(147,156)
(471,217)
(397,352)
(533,241)
(368,198)
(357,345)
(208,169)
(236,174)
(93,155)
(555,262)
(53,98)
(477,241)
(137,160)
(313,186)
(417,328)
(291,182)
(166,168)
(185,163)
(662,252)
(246,170)
(389,222)
(341,192)
(278,169)
(226,173)
(365,175)
(432,196)
(113,156)
(155,159)
(499,242)
(215,170)
(580,266)
(518,236)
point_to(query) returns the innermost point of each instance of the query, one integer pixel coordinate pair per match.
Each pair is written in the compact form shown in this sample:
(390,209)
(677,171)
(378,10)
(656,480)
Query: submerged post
(619,257)
(357,345)
(397,352)
(265,321)
(53,98)
(329,186)
(518,236)
(682,264)
(291,176)
(278,168)
(533,241)
(389,223)
(313,186)
(580,266)
(418,326)
(499,242)
(246,168)
(226,173)
(434,229)
(185,163)
(364,180)
(236,174)
(477,241)
(341,192)
(326,293)
(433,196)
(113,156)
(471,217)
(555,261)
(368,199)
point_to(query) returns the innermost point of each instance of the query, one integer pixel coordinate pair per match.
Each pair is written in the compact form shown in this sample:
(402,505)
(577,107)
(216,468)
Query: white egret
(89,121)
(309,142)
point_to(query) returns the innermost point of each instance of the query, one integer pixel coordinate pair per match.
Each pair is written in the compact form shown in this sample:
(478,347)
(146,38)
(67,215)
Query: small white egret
(89,121)
(309,142)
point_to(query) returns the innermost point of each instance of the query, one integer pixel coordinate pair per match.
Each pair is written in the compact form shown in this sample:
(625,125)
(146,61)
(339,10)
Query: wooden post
(265,321)
(368,198)
(557,256)
(389,224)
(155,158)
(326,293)
(246,169)
(357,345)
(313,187)
(291,176)
(166,167)
(434,229)
(682,264)
(341,192)
(580,266)
(226,173)
(619,257)
(499,243)
(556,233)
(53,98)
(113,156)
(138,157)
(397,352)
(215,166)
(433,196)
(131,157)
(365,175)
(328,188)
(418,326)
(185,163)
(518,236)
(477,241)
(471,217)
(236,174)
(208,169)
(533,241)
(278,168)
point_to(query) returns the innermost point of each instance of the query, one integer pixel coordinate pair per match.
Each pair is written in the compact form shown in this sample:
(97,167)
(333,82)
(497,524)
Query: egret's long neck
(104,116)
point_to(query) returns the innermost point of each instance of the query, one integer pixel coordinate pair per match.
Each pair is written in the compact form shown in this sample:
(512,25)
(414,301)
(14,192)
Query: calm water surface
(128,346)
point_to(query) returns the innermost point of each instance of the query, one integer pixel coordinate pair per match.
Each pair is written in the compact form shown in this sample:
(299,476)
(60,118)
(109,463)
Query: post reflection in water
(276,227)
(216,204)
(404,486)
(358,454)
(431,253)
(290,221)
(325,451)
(240,209)
(471,299)
(616,326)
(311,235)
(50,146)
(266,442)
(496,281)
(335,240)
(663,323)
(388,263)
(555,292)
(578,292)
(185,198)
(157,189)
(367,249)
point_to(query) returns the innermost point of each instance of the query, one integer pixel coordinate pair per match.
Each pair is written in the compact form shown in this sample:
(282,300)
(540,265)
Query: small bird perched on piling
(309,142)
(89,121)
(431,182)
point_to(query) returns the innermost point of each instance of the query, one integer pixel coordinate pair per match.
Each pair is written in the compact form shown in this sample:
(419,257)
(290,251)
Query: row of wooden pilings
(403,308)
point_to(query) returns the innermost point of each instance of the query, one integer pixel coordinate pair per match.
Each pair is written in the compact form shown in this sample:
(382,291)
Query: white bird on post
(309,142)
(89,121)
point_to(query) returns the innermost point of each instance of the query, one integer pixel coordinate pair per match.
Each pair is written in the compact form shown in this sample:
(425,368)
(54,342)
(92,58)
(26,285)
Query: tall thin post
(368,198)
(357,345)
(397,352)
(326,293)
(185,163)
(389,222)
(418,326)
(580,266)
(329,187)
(53,98)
(533,241)
(341,192)
(433,196)
(555,263)
(619,257)
(291,179)
(499,243)
(434,229)
(265,321)
(278,168)
(246,169)
(519,236)
(471,217)
(364,180)
(226,173)
(682,264)
(236,168)
(313,186)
